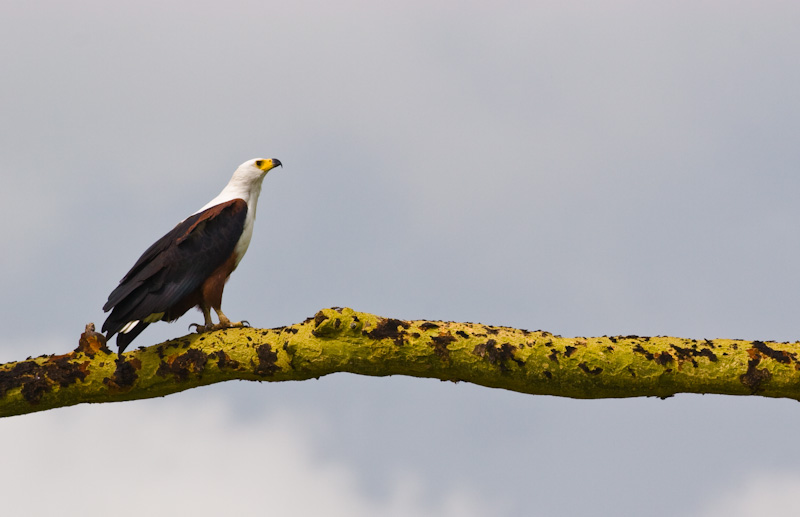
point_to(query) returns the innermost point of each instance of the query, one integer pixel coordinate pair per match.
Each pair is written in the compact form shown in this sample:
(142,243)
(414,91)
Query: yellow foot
(200,328)
(219,326)
(231,324)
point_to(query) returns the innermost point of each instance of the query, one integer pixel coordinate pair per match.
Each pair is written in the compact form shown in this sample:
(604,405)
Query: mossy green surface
(343,340)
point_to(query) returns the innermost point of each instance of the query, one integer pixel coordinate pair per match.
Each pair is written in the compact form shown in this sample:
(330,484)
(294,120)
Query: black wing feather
(176,265)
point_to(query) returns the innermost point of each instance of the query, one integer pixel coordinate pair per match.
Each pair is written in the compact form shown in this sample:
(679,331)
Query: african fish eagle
(188,267)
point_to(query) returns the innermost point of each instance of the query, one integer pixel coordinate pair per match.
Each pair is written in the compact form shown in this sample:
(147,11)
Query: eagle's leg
(225,323)
(209,323)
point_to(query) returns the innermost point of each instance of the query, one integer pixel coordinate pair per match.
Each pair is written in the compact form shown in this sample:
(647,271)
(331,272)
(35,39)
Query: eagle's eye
(259,163)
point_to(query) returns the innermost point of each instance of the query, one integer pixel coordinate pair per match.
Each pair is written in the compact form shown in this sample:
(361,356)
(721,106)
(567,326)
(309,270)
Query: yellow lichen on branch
(343,340)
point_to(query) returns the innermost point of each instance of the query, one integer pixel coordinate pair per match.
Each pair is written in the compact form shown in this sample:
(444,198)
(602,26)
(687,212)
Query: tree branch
(342,340)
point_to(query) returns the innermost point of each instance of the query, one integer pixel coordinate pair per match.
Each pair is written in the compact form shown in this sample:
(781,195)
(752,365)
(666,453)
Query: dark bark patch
(34,389)
(684,354)
(124,375)
(461,333)
(639,349)
(706,352)
(38,379)
(569,350)
(16,376)
(182,366)
(323,327)
(224,362)
(689,354)
(497,354)
(389,328)
(319,318)
(591,371)
(754,377)
(777,355)
(63,372)
(428,325)
(267,360)
(663,358)
(440,343)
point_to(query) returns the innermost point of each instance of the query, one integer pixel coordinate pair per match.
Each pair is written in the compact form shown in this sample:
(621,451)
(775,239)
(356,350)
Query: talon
(198,328)
(245,323)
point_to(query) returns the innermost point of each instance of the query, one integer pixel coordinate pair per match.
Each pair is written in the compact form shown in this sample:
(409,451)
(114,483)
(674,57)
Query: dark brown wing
(175,266)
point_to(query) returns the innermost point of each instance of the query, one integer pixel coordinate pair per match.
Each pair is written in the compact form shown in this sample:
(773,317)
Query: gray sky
(587,169)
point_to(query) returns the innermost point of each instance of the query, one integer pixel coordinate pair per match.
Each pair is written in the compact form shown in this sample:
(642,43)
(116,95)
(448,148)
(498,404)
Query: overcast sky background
(586,169)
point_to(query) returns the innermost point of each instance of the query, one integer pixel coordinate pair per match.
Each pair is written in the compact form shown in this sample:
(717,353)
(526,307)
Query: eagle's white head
(250,174)
(245,182)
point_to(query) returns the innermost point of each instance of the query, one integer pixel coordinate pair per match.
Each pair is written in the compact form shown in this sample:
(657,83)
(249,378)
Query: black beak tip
(276,162)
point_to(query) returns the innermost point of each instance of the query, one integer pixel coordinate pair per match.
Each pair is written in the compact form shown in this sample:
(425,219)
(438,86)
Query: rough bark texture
(342,340)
